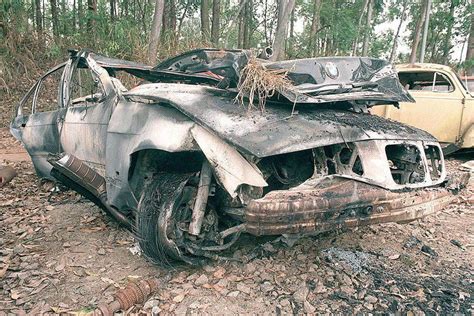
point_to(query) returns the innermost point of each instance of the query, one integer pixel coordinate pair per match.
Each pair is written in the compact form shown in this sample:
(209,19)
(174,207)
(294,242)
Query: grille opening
(435,165)
(406,165)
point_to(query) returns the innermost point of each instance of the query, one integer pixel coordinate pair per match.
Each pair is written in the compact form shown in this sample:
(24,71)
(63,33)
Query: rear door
(36,120)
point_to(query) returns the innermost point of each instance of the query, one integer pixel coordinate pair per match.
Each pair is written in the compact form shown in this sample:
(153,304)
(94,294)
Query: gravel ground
(60,253)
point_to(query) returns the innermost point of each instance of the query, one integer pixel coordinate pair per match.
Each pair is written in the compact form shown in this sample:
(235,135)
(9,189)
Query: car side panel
(138,126)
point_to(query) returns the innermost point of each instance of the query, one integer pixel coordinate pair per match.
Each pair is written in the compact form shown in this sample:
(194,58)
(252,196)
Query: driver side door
(90,102)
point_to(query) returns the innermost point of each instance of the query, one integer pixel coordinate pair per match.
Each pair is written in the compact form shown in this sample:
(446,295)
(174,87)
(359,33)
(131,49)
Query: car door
(439,104)
(36,121)
(90,101)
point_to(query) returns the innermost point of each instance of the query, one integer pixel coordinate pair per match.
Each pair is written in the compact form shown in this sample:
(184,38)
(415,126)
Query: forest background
(35,34)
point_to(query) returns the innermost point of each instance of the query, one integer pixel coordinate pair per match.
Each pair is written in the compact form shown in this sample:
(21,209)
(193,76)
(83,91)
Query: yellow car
(444,105)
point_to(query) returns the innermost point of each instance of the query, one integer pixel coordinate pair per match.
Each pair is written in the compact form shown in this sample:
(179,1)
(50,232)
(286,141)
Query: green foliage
(125,35)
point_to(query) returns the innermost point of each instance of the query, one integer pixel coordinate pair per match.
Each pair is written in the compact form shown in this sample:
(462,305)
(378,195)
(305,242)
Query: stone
(368,306)
(371,299)
(301,293)
(266,286)
(285,302)
(233,294)
(244,288)
(308,308)
(203,279)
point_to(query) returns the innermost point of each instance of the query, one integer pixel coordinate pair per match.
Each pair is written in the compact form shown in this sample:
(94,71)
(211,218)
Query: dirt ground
(60,253)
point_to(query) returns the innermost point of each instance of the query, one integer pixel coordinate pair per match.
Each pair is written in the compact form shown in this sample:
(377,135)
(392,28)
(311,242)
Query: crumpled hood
(275,131)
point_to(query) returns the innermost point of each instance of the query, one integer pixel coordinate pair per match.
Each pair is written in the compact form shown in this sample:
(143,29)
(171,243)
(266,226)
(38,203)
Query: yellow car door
(439,103)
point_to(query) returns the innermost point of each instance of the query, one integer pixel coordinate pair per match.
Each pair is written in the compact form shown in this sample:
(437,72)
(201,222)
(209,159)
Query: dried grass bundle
(258,82)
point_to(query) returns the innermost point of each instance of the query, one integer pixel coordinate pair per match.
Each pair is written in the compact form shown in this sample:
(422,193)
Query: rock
(155,311)
(178,298)
(222,283)
(371,299)
(266,286)
(361,294)
(308,308)
(219,274)
(429,250)
(349,290)
(151,303)
(457,243)
(101,251)
(250,267)
(233,294)
(412,242)
(244,288)
(301,293)
(368,306)
(285,302)
(201,280)
(320,288)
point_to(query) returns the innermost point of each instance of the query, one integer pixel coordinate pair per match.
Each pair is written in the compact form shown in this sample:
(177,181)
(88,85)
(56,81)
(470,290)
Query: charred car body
(186,168)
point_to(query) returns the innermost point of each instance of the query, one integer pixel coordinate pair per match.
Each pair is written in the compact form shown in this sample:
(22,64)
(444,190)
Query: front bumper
(339,203)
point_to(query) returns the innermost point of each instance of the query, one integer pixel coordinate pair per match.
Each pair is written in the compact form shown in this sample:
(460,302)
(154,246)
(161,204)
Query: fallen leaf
(179,298)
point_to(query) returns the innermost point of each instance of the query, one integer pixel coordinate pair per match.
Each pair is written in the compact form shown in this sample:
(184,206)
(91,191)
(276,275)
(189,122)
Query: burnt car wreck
(187,169)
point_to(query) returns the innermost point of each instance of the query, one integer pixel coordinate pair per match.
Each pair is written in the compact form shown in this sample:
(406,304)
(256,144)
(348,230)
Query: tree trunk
(241,21)
(247,20)
(359,24)
(91,11)
(155,31)
(470,46)
(112,10)
(215,30)
(417,32)
(39,19)
(80,15)
(205,20)
(368,31)
(284,11)
(447,40)
(397,34)
(313,46)
(54,17)
(182,17)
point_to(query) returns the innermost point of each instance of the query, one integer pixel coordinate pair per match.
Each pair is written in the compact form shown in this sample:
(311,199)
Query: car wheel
(164,205)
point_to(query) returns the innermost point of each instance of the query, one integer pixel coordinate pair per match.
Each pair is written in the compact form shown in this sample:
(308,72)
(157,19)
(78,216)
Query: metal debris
(133,293)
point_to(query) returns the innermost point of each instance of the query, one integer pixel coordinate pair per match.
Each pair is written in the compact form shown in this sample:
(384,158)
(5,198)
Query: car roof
(422,66)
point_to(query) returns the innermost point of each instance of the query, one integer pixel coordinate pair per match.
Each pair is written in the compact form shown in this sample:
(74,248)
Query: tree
(284,11)
(313,44)
(205,20)
(359,25)
(397,34)
(155,31)
(215,30)
(470,46)
(365,45)
(417,31)
(38,16)
(91,12)
(54,18)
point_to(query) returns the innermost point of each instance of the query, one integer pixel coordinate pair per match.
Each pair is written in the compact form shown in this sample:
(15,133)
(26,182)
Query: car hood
(275,131)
